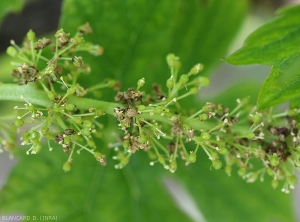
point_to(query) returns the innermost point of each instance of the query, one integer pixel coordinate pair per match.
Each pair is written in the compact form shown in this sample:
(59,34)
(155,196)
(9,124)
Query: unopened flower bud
(217,164)
(197,68)
(141,82)
(274,160)
(30,35)
(12,51)
(67,166)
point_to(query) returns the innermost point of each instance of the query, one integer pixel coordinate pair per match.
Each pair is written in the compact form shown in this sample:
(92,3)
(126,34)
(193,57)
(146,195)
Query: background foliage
(137,35)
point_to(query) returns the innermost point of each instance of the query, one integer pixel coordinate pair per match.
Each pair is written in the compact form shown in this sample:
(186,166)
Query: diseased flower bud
(77,61)
(101,158)
(85,29)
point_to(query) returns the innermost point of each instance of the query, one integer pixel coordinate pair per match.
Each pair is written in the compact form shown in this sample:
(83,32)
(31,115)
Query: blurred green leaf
(276,44)
(282,84)
(10,6)
(223,198)
(138,34)
(89,192)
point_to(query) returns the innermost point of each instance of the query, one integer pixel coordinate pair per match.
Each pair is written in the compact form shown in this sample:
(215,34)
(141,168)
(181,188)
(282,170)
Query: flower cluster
(154,122)
(61,121)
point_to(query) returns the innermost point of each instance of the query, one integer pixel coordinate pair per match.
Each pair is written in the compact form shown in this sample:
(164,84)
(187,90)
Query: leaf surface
(10,6)
(276,43)
(137,35)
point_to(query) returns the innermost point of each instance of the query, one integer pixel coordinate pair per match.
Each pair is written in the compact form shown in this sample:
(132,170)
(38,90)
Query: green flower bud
(34,135)
(170,83)
(12,51)
(141,108)
(274,160)
(77,120)
(30,35)
(242,171)
(91,143)
(250,135)
(37,148)
(184,79)
(85,131)
(67,140)
(45,131)
(70,107)
(71,90)
(125,144)
(205,136)
(87,123)
(67,166)
(223,151)
(274,184)
(158,110)
(194,90)
(186,126)
(192,157)
(256,118)
(171,59)
(270,172)
(203,116)
(173,166)
(197,68)
(161,160)
(26,136)
(51,95)
(142,139)
(19,122)
(207,108)
(202,81)
(141,82)
(292,180)
(217,164)
(228,170)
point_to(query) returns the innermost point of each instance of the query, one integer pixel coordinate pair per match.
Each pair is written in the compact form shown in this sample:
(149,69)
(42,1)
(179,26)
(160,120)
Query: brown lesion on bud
(171,147)
(129,97)
(25,74)
(41,43)
(85,29)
